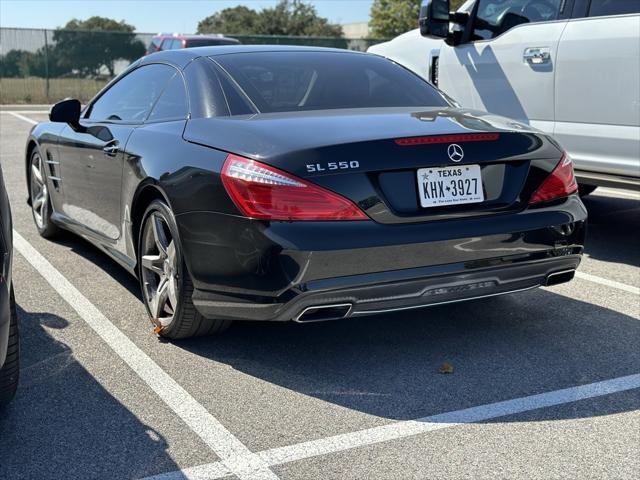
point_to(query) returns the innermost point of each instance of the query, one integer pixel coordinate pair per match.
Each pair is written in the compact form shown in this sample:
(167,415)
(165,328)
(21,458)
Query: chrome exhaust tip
(563,276)
(321,313)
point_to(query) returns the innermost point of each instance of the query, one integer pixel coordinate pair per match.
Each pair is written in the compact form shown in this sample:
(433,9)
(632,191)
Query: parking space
(102,397)
(613,235)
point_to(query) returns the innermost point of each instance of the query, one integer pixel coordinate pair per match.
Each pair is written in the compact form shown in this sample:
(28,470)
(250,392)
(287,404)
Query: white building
(355,30)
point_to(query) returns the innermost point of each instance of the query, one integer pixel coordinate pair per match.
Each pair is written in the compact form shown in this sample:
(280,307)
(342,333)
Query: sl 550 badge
(319,167)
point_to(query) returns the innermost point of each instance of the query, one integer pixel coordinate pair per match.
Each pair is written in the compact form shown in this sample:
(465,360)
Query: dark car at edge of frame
(289,183)
(9,338)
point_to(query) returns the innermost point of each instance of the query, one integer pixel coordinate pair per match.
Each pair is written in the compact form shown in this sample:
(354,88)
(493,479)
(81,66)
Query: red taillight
(266,193)
(560,183)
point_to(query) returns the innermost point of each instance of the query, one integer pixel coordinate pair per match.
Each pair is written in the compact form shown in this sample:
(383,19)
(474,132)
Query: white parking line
(235,457)
(28,120)
(398,430)
(609,283)
(36,112)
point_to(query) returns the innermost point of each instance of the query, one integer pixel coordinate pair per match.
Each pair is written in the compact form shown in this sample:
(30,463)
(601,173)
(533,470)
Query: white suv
(567,67)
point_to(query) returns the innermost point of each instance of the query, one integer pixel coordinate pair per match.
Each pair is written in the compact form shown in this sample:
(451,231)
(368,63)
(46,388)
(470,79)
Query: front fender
(45,137)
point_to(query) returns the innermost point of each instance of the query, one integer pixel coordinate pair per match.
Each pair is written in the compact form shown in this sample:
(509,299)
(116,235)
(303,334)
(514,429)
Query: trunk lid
(372,156)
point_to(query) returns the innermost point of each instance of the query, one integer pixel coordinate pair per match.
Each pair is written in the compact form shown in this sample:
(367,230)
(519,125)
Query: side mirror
(66,111)
(434,18)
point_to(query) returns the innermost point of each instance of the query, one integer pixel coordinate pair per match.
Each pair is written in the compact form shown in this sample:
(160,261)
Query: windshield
(298,81)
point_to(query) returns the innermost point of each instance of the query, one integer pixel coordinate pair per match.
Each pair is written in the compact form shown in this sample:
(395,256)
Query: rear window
(300,81)
(207,42)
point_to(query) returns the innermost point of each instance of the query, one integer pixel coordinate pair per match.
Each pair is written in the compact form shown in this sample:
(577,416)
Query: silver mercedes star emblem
(455,152)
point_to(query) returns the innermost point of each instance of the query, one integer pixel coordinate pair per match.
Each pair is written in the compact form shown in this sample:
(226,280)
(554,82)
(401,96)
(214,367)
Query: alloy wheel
(159,262)
(39,192)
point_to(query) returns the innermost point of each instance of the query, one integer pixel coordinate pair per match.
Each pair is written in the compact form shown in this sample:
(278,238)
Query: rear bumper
(253,270)
(414,288)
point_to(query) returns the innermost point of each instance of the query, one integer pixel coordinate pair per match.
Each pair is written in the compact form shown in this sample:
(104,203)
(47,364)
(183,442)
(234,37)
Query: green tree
(390,18)
(86,46)
(296,18)
(14,64)
(287,17)
(20,63)
(239,20)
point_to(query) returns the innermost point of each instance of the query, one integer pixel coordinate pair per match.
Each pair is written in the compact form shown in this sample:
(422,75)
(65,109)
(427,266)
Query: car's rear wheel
(39,196)
(165,281)
(10,371)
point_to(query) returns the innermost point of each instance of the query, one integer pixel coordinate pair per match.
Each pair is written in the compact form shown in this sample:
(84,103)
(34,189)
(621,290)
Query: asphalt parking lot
(546,383)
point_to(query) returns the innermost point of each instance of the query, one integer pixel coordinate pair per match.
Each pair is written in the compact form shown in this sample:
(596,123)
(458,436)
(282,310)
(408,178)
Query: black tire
(185,320)
(10,371)
(41,215)
(584,190)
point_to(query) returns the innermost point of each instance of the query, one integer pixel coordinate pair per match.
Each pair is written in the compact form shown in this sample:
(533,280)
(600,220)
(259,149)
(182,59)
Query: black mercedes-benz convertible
(305,184)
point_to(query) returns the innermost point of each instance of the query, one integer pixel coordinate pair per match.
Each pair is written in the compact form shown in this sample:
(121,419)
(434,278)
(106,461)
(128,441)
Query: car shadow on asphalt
(87,250)
(387,365)
(613,229)
(64,424)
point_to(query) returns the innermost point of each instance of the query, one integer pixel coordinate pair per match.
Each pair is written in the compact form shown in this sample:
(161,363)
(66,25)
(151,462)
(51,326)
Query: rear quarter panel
(186,173)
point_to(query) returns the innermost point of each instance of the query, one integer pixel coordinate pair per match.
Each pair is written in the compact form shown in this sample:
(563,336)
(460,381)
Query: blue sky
(154,15)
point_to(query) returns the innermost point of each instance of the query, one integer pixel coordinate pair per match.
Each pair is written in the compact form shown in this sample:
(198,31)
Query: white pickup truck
(567,67)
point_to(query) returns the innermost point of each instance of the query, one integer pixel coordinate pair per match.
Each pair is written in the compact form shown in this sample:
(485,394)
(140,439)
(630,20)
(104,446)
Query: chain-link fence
(43,66)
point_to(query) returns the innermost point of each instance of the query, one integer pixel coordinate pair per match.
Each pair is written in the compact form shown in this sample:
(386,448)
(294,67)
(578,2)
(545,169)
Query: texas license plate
(442,186)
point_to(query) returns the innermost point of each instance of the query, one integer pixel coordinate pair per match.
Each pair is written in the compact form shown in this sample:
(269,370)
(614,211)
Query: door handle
(111,149)
(537,55)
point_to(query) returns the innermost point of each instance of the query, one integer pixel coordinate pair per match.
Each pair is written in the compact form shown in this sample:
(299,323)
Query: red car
(175,41)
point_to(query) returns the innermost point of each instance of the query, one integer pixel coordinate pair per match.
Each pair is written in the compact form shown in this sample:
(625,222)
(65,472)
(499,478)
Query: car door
(508,66)
(92,155)
(598,88)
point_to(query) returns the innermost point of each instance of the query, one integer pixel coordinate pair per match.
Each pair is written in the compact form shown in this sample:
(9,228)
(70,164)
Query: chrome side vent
(53,170)
(433,64)
(434,71)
